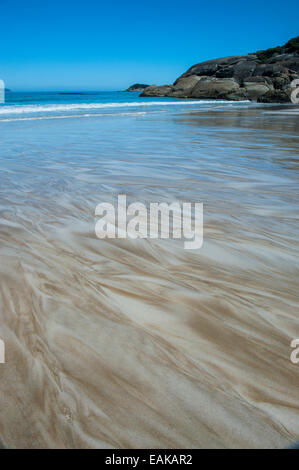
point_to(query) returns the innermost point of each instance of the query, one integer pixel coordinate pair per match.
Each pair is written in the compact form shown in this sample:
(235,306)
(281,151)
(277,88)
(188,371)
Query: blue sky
(95,45)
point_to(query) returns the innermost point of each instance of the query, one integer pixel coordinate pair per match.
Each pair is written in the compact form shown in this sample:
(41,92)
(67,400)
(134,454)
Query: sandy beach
(140,343)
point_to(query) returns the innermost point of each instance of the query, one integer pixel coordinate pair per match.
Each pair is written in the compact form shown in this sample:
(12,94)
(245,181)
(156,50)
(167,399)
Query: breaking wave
(58,108)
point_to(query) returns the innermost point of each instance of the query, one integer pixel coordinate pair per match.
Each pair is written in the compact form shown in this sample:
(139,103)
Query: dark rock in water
(183,86)
(154,90)
(138,87)
(266,74)
(255,89)
(214,88)
(275,96)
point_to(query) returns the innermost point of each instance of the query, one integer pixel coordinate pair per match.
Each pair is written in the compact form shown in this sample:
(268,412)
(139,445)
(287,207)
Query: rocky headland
(263,76)
(137,87)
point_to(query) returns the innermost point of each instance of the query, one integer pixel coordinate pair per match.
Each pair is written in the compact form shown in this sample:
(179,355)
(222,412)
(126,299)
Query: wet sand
(142,344)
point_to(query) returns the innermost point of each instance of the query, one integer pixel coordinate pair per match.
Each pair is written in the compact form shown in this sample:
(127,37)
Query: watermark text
(295,353)
(159,220)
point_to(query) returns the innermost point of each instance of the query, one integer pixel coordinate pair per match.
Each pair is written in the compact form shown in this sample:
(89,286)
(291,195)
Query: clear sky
(98,45)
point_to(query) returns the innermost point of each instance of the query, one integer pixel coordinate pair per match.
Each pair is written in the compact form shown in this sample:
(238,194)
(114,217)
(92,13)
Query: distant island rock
(138,87)
(263,76)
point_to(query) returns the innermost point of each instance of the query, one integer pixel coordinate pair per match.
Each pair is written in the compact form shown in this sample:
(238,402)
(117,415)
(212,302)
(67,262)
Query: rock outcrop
(275,96)
(137,87)
(154,90)
(264,76)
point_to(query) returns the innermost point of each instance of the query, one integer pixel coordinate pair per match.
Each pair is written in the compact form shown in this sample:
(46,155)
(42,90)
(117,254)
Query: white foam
(49,108)
(68,116)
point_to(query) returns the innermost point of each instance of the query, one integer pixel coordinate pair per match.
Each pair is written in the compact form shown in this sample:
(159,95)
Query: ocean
(43,105)
(119,343)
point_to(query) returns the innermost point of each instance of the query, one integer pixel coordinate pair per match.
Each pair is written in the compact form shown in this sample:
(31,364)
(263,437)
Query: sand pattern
(142,344)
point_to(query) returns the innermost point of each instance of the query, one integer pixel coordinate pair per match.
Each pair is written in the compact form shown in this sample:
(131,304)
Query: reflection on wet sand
(123,343)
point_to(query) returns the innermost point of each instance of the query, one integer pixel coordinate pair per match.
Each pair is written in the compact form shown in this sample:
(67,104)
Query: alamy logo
(295,353)
(295,92)
(2,352)
(2,91)
(160,220)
